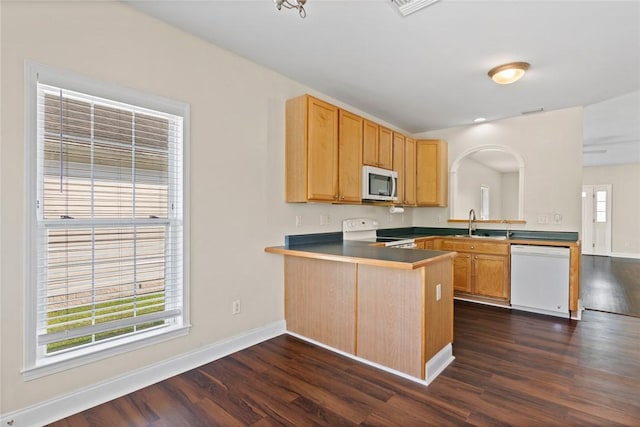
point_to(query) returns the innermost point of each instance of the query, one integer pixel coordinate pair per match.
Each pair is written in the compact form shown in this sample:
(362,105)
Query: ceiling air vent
(407,7)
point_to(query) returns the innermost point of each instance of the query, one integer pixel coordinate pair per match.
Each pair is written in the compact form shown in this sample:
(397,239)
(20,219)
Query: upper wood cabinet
(350,157)
(385,148)
(404,163)
(431,173)
(409,171)
(327,146)
(377,145)
(323,152)
(370,143)
(399,164)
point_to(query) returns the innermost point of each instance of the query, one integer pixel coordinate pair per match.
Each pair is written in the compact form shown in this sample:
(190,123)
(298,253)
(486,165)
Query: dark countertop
(330,246)
(363,253)
(518,235)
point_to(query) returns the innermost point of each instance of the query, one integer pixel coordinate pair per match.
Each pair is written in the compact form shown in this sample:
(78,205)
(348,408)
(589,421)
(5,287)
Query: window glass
(108,224)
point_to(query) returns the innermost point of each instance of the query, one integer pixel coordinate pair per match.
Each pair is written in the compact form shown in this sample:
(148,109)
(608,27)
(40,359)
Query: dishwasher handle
(553,251)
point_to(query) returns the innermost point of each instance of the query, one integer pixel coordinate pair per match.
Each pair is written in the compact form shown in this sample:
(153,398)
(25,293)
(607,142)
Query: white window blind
(109,220)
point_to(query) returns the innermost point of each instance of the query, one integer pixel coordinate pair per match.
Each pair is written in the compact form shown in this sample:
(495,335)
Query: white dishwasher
(540,279)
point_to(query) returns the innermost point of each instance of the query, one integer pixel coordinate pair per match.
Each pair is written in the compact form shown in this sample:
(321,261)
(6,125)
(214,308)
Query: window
(601,206)
(108,228)
(484,202)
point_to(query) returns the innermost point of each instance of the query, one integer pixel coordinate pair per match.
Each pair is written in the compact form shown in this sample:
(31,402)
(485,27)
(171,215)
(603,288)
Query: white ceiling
(428,70)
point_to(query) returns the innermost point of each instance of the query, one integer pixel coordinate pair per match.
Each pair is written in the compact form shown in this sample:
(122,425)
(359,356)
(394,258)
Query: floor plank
(511,368)
(611,284)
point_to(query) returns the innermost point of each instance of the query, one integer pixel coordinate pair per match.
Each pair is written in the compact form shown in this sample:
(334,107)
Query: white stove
(365,230)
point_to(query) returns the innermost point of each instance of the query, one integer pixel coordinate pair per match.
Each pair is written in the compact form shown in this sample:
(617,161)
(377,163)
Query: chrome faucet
(472,217)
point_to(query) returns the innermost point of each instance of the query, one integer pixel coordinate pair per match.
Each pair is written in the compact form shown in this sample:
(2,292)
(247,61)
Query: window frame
(35,365)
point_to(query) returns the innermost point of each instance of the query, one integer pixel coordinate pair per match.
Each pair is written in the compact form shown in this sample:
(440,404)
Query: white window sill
(53,364)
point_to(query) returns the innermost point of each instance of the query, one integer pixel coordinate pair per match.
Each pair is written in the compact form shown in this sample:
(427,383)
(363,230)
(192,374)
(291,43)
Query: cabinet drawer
(460,245)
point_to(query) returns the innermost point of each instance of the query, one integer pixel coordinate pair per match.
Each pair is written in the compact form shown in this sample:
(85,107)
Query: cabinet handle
(335,197)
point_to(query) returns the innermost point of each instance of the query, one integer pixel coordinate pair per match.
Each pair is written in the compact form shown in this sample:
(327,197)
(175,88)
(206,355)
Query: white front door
(596,219)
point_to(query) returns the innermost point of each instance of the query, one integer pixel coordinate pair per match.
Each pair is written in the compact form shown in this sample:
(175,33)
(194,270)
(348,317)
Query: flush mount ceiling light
(292,4)
(407,7)
(508,73)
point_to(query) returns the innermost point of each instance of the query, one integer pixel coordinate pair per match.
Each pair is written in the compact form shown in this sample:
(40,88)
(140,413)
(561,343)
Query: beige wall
(237,134)
(625,204)
(471,175)
(551,146)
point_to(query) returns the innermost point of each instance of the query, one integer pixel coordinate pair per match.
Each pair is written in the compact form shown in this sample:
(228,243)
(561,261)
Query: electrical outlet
(298,220)
(235,307)
(438,292)
(324,219)
(543,219)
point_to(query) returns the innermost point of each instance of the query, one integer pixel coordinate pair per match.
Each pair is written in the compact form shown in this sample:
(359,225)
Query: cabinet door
(491,276)
(350,157)
(370,143)
(431,173)
(462,272)
(322,154)
(409,171)
(385,148)
(398,163)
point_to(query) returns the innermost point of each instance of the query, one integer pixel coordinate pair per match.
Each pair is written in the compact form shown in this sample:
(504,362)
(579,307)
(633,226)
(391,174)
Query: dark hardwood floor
(511,368)
(611,284)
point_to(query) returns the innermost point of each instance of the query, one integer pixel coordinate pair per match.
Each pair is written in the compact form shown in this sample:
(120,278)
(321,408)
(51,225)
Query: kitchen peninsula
(392,308)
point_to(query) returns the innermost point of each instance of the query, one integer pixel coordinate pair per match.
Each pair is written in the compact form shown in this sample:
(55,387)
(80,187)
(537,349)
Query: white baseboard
(625,255)
(88,397)
(438,362)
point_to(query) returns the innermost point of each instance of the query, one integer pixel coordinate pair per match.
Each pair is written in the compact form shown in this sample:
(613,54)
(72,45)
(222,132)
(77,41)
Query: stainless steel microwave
(379,184)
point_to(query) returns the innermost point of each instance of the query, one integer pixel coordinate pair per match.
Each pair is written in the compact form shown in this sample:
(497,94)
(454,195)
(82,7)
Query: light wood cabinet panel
(396,317)
(481,268)
(320,301)
(390,323)
(370,143)
(322,151)
(385,148)
(431,173)
(491,276)
(323,154)
(425,244)
(474,246)
(377,145)
(409,171)
(398,164)
(311,153)
(350,158)
(438,312)
(462,273)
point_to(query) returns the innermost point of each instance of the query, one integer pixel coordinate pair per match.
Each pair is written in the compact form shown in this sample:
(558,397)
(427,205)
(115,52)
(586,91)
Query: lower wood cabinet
(398,318)
(480,269)
(490,276)
(462,273)
(424,244)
